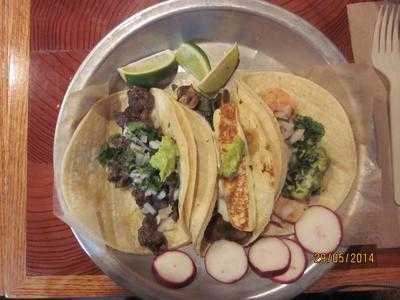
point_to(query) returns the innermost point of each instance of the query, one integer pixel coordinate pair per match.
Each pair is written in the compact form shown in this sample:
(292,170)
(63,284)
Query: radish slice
(298,263)
(226,261)
(319,230)
(269,257)
(174,269)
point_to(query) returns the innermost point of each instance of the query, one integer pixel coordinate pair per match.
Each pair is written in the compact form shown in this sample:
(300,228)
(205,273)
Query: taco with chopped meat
(129,172)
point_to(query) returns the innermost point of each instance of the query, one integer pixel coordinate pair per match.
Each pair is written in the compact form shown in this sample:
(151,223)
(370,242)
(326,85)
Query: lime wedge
(220,75)
(193,59)
(150,70)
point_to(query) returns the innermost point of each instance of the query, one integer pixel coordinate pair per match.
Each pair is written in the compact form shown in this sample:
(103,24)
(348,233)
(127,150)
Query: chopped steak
(120,118)
(124,181)
(157,203)
(219,229)
(175,212)
(139,197)
(119,141)
(141,104)
(114,172)
(140,99)
(173,181)
(149,237)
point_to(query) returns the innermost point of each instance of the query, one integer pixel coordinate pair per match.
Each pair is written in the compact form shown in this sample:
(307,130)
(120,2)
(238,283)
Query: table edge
(13,280)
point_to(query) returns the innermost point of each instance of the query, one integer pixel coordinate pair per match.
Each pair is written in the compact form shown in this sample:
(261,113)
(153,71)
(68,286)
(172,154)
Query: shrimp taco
(321,160)
(129,171)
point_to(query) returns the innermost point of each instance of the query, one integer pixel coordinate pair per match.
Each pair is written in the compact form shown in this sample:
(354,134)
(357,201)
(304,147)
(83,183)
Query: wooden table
(42,44)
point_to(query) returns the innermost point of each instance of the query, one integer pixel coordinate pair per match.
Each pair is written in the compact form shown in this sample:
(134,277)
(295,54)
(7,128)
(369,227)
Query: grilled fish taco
(128,170)
(248,175)
(322,160)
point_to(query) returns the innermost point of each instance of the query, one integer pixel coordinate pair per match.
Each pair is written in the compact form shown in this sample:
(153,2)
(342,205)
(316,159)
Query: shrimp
(280,102)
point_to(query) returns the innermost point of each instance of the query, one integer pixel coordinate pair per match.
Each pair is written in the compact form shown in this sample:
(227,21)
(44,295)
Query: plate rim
(106,45)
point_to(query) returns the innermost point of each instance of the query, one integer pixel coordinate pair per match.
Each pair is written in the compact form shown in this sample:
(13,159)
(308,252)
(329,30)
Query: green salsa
(309,161)
(230,159)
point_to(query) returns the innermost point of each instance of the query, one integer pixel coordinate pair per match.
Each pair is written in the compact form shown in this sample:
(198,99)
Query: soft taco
(206,178)
(128,169)
(322,160)
(248,175)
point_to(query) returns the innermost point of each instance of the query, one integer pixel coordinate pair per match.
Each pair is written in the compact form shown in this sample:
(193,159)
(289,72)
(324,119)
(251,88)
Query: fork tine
(390,29)
(396,46)
(377,30)
(383,31)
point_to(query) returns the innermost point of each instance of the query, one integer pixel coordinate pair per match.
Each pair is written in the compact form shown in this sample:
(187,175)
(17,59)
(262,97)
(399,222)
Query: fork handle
(394,104)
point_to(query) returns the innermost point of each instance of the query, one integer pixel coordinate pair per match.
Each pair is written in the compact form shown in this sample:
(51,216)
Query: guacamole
(165,158)
(230,159)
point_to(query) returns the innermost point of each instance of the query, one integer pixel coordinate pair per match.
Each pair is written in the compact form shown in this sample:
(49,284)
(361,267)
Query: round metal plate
(269,38)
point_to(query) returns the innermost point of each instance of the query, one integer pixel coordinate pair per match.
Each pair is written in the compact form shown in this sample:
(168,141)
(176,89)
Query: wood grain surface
(3,114)
(14,113)
(41,256)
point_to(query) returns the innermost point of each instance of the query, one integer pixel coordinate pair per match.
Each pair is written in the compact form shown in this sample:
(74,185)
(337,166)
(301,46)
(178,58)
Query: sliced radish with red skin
(319,230)
(298,263)
(174,269)
(226,261)
(269,257)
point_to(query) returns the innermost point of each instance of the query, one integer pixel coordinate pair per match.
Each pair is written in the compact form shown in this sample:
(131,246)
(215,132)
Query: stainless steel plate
(269,38)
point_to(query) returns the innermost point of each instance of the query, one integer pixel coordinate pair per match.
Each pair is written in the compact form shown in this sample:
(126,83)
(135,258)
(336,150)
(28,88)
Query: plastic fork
(386,59)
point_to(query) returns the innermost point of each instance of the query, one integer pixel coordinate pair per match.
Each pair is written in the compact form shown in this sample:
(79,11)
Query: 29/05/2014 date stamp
(356,255)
